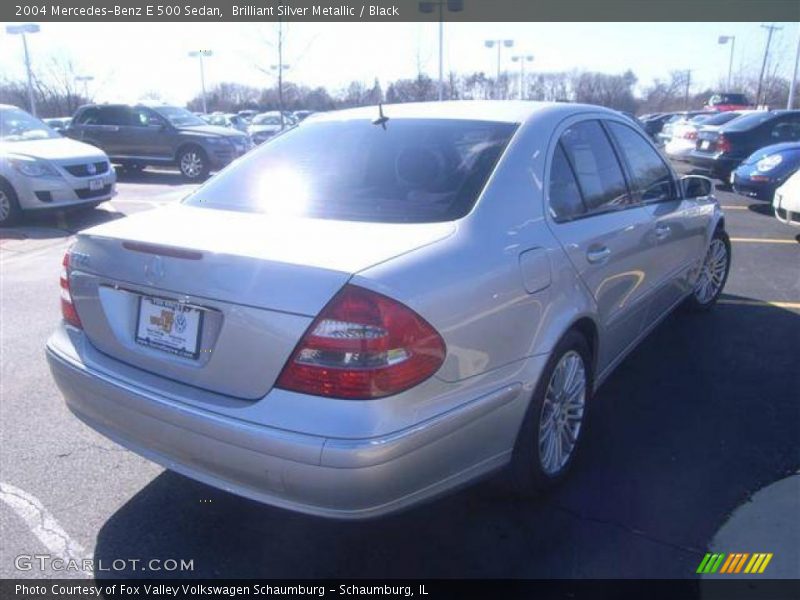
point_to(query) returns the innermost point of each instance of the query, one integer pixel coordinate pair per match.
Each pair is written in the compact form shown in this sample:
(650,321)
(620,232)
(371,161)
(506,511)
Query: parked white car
(41,170)
(684,133)
(786,201)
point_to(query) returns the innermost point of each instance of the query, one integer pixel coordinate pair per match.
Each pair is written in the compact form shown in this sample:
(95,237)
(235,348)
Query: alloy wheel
(562,413)
(5,206)
(191,164)
(712,274)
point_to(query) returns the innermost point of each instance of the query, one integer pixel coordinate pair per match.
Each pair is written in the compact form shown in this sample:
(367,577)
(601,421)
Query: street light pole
(428,7)
(85,79)
(793,83)
(771,29)
(200,54)
(724,39)
(521,58)
(23,30)
(500,44)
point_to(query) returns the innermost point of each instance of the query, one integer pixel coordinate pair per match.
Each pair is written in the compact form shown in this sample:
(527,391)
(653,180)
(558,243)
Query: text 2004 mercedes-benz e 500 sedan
(385,303)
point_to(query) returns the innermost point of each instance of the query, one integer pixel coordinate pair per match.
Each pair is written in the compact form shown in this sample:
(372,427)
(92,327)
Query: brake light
(67,307)
(363,345)
(723,144)
(690,135)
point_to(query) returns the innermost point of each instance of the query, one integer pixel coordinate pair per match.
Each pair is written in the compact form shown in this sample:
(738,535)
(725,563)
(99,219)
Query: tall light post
(793,83)
(522,59)
(724,39)
(429,7)
(23,30)
(500,45)
(200,54)
(85,79)
(772,29)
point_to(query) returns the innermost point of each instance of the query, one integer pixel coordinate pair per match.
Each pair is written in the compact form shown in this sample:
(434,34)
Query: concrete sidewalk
(768,522)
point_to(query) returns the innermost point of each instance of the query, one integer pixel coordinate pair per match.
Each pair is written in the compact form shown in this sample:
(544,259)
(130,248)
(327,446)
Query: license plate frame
(171,339)
(97,184)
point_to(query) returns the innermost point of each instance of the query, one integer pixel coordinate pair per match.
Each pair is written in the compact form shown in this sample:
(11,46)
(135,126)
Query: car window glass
(786,131)
(90,116)
(144,117)
(413,170)
(115,115)
(599,174)
(565,195)
(651,178)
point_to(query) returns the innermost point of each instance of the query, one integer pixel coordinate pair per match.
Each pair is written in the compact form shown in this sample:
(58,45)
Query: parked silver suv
(386,302)
(138,136)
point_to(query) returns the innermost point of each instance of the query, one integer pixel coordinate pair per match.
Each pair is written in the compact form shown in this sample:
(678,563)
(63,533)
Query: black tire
(133,167)
(193,163)
(528,475)
(10,211)
(698,301)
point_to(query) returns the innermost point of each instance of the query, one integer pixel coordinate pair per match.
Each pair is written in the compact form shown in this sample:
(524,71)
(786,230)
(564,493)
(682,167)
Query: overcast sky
(131,59)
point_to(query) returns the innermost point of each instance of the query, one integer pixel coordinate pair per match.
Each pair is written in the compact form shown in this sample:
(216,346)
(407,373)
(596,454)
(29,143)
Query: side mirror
(696,186)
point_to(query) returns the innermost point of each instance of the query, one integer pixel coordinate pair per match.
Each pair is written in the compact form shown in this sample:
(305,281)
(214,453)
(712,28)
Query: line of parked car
(756,152)
(56,164)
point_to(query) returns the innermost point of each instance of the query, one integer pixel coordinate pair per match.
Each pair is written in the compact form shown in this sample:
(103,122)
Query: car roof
(508,111)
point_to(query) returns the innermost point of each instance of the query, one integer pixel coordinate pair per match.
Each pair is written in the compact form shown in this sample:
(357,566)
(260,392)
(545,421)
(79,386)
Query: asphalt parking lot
(699,418)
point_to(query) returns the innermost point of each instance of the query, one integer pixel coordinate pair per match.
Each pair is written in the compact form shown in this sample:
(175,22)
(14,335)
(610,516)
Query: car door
(90,127)
(149,134)
(603,230)
(113,121)
(676,233)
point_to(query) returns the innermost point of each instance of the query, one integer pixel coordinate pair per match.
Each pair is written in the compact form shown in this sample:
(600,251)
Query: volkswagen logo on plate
(91,169)
(154,270)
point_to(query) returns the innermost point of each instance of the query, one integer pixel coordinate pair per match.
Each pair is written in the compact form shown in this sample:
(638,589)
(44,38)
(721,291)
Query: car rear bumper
(338,478)
(716,165)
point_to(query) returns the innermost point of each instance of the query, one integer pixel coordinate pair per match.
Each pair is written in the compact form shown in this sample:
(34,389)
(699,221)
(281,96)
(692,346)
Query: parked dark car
(653,124)
(766,169)
(728,101)
(139,136)
(720,151)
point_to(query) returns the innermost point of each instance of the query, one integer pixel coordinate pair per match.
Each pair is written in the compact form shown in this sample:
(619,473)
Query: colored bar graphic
(734,562)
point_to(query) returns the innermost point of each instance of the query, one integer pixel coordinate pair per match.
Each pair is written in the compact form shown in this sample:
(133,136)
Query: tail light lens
(67,307)
(723,144)
(690,135)
(363,345)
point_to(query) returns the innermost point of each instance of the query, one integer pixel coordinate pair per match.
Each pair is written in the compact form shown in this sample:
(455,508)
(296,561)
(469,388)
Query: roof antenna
(382,119)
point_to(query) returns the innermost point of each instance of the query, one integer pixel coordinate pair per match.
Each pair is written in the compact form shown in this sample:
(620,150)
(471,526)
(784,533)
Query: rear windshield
(413,171)
(750,121)
(721,118)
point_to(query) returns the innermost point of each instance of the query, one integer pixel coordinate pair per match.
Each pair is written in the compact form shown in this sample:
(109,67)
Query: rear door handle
(598,255)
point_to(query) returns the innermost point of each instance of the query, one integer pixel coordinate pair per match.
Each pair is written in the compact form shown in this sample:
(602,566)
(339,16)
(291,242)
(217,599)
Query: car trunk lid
(242,287)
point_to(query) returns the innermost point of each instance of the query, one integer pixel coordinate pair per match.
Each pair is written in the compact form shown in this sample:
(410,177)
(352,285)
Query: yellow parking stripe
(789,305)
(763,241)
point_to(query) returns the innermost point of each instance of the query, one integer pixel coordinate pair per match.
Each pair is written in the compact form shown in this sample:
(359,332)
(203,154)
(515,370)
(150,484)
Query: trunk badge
(154,270)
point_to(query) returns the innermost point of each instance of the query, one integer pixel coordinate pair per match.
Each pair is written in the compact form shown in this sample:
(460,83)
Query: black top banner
(400,10)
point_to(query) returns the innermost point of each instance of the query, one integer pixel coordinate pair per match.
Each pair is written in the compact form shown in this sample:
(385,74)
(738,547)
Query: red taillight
(723,144)
(67,307)
(690,135)
(363,345)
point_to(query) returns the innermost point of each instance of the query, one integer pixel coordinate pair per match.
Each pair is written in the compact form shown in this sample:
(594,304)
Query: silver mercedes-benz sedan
(386,303)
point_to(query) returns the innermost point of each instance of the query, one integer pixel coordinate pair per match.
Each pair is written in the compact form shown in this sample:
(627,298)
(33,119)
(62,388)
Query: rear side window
(414,170)
(565,195)
(115,115)
(595,164)
(786,131)
(650,177)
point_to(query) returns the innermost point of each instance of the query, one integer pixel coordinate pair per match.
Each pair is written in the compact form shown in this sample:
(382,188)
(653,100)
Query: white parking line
(43,525)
